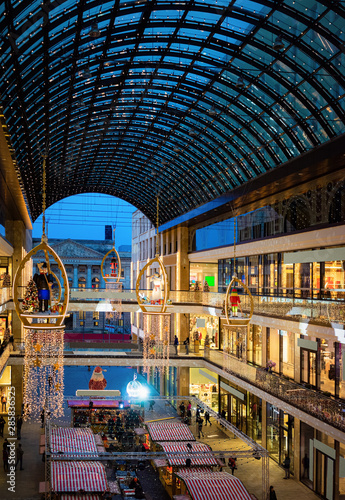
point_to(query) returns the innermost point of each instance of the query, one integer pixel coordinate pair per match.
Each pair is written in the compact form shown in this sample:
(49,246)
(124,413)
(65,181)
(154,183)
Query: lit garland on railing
(43,373)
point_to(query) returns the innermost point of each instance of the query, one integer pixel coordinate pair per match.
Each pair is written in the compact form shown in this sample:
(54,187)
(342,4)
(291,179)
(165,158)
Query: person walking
(2,425)
(207,418)
(19,427)
(273,495)
(176,344)
(42,418)
(5,458)
(186,344)
(232,464)
(305,463)
(182,409)
(151,403)
(20,454)
(189,415)
(200,424)
(286,465)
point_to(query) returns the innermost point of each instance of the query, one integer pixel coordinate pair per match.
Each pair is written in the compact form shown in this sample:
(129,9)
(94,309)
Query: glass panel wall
(254,345)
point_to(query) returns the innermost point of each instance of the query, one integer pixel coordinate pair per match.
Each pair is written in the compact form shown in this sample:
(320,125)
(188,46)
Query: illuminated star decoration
(57,366)
(38,347)
(37,362)
(57,387)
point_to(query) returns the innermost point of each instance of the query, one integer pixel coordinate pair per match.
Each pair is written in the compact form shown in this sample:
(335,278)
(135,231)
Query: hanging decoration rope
(154,304)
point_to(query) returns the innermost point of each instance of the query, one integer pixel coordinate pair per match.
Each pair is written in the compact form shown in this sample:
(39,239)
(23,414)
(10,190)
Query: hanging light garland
(43,373)
(43,332)
(156,338)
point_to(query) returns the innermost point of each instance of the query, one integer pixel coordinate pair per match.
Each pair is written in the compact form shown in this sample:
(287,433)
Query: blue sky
(84,216)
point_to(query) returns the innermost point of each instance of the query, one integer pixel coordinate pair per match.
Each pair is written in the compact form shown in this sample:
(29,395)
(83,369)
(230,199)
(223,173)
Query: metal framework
(194,98)
(255,450)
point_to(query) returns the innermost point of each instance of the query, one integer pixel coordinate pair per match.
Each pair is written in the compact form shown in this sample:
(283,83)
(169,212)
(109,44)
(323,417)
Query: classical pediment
(71,249)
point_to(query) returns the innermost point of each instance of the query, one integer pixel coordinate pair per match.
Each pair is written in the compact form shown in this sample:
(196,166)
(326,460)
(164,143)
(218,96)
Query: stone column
(75,276)
(88,277)
(183,381)
(297,449)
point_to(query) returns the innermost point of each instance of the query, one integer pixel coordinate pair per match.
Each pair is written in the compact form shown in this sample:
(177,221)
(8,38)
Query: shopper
(2,425)
(286,465)
(182,409)
(273,495)
(189,416)
(19,427)
(5,458)
(200,424)
(207,418)
(42,418)
(186,344)
(176,344)
(152,403)
(305,463)
(20,454)
(232,464)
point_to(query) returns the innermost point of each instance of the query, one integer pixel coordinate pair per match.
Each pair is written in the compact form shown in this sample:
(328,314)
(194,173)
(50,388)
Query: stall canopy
(78,477)
(97,403)
(170,431)
(69,440)
(79,497)
(198,453)
(214,486)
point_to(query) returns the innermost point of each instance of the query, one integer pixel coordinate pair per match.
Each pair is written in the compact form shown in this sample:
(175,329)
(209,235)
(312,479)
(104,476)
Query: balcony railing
(312,402)
(322,311)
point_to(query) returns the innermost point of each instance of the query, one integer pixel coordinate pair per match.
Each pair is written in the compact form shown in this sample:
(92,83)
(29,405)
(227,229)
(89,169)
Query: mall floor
(248,470)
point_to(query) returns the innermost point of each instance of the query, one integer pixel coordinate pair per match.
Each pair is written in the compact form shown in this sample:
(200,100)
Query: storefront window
(327,364)
(254,345)
(5,383)
(280,435)
(253,274)
(287,353)
(334,279)
(205,276)
(204,385)
(201,326)
(273,431)
(306,453)
(273,348)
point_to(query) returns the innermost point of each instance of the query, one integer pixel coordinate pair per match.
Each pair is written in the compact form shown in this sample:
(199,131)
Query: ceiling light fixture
(278,44)
(94,32)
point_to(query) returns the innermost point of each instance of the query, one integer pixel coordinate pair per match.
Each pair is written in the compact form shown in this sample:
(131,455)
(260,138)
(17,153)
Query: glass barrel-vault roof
(186,99)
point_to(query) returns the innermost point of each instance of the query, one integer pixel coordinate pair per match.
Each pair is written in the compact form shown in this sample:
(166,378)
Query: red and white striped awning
(78,477)
(214,486)
(71,440)
(199,453)
(79,497)
(170,431)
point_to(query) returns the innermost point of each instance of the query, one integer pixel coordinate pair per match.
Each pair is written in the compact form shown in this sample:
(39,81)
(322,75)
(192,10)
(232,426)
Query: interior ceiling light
(240,83)
(176,149)
(192,133)
(94,32)
(212,111)
(278,44)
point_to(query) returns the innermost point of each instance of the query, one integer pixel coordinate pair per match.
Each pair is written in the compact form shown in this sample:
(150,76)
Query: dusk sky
(84,216)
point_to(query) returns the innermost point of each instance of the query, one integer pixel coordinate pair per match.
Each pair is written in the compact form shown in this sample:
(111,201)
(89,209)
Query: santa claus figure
(97,381)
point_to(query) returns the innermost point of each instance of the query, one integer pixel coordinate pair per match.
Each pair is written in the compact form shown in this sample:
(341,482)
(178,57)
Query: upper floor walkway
(312,407)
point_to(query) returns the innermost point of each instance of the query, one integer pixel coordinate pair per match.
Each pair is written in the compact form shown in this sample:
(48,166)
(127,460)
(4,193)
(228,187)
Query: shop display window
(5,384)
(202,326)
(203,388)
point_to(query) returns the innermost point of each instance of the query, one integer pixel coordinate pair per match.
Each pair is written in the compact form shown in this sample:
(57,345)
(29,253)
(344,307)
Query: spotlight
(278,44)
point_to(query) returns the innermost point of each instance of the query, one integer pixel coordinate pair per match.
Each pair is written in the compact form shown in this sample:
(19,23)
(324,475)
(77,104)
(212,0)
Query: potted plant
(270,365)
(196,342)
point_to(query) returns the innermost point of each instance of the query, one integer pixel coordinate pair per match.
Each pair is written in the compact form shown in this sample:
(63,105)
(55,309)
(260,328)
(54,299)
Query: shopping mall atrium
(207,361)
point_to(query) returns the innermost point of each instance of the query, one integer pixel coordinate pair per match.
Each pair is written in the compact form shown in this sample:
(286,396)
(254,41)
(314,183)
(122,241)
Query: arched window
(81,282)
(297,216)
(95,282)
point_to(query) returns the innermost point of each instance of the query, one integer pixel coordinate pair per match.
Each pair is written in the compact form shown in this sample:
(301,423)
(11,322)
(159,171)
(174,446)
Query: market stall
(169,431)
(78,477)
(203,485)
(70,440)
(178,455)
(80,497)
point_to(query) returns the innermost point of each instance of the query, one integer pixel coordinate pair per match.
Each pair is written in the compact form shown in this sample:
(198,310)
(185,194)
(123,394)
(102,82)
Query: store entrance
(308,368)
(324,475)
(238,414)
